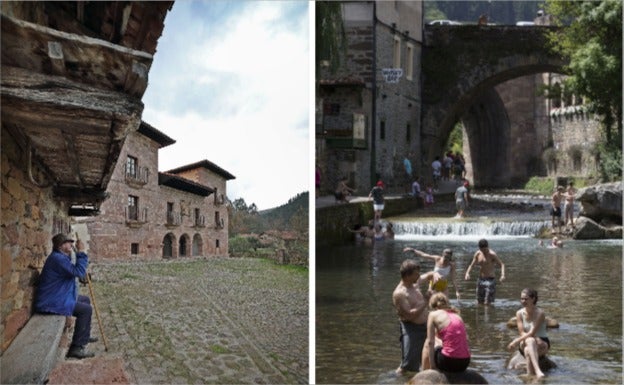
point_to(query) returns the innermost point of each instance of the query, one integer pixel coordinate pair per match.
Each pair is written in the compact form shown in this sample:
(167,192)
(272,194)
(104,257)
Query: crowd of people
(432,331)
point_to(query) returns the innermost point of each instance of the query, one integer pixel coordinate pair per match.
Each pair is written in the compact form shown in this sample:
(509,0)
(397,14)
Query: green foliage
(246,219)
(592,42)
(455,141)
(540,185)
(243,246)
(610,156)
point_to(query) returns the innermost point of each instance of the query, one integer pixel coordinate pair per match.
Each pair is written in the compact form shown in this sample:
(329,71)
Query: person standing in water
(443,271)
(487,260)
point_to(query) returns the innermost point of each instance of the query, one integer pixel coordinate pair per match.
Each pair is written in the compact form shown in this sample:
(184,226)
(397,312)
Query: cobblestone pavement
(204,321)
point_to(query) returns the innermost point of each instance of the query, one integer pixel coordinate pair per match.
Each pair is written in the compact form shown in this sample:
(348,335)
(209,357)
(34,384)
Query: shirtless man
(555,208)
(568,207)
(487,260)
(411,307)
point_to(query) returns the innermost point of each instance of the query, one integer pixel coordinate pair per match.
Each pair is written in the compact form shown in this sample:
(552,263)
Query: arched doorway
(183,250)
(197,244)
(168,249)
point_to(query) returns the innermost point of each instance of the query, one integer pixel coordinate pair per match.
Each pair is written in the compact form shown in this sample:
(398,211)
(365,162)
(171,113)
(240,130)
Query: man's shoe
(93,339)
(79,352)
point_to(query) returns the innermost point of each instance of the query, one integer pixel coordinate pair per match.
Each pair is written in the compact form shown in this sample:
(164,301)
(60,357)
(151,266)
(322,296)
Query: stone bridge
(461,65)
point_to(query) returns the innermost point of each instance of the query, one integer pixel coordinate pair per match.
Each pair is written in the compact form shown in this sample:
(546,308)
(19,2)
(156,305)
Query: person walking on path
(443,271)
(446,347)
(461,199)
(533,341)
(487,260)
(377,193)
(411,307)
(436,169)
(57,292)
(555,209)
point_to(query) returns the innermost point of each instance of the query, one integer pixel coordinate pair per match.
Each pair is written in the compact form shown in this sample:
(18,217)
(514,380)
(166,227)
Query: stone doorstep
(34,352)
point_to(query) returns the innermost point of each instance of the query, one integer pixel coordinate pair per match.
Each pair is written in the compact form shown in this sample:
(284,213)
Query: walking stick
(97,313)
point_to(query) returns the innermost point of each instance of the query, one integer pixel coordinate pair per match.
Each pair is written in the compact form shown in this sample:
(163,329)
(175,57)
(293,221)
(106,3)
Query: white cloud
(234,90)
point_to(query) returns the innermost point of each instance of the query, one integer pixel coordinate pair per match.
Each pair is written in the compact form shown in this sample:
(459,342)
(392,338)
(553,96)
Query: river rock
(517,361)
(603,201)
(586,228)
(431,377)
(550,323)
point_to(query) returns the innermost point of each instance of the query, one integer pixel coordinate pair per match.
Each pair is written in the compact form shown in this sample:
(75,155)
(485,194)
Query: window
(217,220)
(382,130)
(217,243)
(133,207)
(134,248)
(409,62)
(408,132)
(131,166)
(396,51)
(169,207)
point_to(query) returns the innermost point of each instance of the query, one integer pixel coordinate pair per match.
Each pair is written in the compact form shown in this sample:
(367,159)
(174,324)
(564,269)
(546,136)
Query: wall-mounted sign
(392,75)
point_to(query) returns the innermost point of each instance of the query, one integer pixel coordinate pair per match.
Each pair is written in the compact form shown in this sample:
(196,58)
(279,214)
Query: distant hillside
(281,217)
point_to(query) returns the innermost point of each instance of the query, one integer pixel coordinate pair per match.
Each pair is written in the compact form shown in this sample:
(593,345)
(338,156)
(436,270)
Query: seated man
(57,292)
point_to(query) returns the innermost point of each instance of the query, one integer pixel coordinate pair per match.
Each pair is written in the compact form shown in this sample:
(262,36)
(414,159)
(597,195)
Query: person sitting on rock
(446,347)
(533,341)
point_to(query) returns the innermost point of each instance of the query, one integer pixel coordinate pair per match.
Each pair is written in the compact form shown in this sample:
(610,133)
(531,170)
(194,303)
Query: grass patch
(540,185)
(218,349)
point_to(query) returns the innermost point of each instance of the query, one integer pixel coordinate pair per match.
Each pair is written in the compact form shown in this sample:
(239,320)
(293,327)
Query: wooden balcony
(135,217)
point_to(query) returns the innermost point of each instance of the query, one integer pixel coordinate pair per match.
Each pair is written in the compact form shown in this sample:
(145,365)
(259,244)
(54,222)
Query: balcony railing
(173,218)
(139,177)
(200,221)
(134,216)
(219,223)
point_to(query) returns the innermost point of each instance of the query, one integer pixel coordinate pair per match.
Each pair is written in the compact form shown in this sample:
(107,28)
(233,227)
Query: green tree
(592,42)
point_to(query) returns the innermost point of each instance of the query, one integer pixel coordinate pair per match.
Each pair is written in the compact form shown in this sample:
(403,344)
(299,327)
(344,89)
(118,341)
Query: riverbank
(216,320)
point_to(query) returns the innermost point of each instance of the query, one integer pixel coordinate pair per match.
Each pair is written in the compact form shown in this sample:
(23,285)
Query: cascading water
(462,228)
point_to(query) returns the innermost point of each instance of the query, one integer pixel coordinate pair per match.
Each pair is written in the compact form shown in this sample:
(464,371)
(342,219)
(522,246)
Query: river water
(579,285)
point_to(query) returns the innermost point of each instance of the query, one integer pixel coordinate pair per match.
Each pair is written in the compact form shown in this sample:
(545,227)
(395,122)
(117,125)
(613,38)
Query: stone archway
(184,246)
(168,251)
(198,245)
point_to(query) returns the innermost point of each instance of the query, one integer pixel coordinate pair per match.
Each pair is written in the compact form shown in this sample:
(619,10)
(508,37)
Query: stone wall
(30,217)
(332,222)
(111,236)
(575,133)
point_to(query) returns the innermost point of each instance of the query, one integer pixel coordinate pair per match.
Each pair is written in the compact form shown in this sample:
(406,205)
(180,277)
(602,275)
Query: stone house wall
(111,236)
(575,133)
(30,217)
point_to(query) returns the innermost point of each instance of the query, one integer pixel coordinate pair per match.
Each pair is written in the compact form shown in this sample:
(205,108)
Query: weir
(470,228)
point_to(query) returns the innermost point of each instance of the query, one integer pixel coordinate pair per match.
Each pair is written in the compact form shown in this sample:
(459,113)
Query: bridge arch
(461,67)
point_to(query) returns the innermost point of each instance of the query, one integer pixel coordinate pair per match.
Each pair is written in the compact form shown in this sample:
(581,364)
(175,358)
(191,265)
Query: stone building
(73,75)
(368,111)
(152,215)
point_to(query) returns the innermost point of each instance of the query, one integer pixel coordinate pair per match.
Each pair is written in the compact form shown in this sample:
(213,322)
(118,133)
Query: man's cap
(466,183)
(379,183)
(59,239)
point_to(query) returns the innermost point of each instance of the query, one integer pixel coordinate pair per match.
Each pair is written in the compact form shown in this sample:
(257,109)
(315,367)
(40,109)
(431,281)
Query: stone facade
(366,125)
(30,216)
(152,215)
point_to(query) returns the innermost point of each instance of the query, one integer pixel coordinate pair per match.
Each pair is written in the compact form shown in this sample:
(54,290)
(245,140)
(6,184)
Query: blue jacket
(57,291)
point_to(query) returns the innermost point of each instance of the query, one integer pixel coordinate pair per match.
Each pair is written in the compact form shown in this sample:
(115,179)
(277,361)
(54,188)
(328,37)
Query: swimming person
(443,271)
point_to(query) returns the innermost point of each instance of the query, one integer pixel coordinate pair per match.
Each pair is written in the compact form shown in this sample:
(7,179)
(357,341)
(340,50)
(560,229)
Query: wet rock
(602,201)
(586,228)
(430,377)
(518,362)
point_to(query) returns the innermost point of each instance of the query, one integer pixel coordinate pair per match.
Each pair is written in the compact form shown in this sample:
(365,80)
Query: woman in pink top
(446,347)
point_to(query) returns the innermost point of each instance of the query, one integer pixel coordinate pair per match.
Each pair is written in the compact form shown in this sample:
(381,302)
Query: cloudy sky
(230,83)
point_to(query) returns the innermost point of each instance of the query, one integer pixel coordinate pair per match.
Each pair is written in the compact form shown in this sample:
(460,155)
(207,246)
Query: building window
(396,52)
(133,208)
(409,61)
(217,243)
(134,248)
(131,166)
(382,130)
(408,133)
(218,220)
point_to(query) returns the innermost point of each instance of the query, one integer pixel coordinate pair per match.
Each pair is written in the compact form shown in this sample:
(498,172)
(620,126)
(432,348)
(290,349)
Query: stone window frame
(396,52)
(409,61)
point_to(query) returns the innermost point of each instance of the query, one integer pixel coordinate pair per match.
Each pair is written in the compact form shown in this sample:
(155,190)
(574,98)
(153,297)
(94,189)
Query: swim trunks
(555,211)
(486,289)
(412,341)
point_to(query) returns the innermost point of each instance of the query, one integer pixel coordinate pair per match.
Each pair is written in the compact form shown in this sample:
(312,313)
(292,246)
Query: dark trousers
(82,328)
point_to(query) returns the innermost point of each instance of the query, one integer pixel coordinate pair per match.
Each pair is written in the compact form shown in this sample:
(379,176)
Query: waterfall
(471,228)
